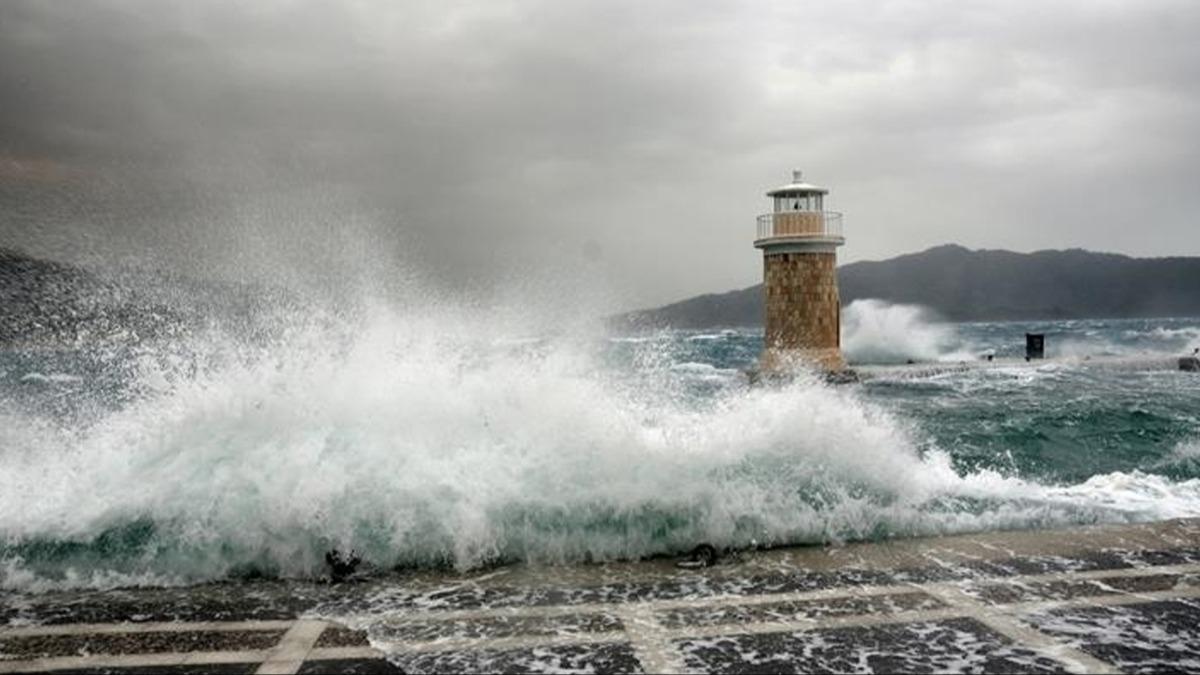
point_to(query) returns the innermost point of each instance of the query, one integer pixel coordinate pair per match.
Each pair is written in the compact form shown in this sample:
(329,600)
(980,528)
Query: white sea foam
(1185,455)
(1156,340)
(1182,334)
(634,339)
(705,372)
(1187,450)
(52,378)
(415,441)
(725,334)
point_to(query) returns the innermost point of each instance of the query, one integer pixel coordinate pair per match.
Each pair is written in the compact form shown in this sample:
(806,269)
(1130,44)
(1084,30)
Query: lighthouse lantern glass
(799,202)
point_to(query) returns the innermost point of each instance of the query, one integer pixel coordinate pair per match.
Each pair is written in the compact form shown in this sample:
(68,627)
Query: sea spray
(878,332)
(418,445)
(431,438)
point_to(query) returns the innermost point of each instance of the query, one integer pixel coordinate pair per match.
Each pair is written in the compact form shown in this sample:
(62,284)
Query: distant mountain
(984,285)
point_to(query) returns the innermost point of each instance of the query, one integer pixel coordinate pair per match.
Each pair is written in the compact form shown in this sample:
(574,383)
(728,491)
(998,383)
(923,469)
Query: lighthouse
(799,241)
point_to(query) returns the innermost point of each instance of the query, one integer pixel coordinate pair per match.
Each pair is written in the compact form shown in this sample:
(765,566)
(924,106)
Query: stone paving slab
(1103,599)
(1149,637)
(47,646)
(129,648)
(1063,589)
(951,645)
(336,636)
(371,666)
(611,657)
(496,627)
(197,669)
(797,610)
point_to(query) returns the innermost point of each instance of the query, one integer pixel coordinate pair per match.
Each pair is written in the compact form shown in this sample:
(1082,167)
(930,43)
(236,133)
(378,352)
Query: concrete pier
(1123,598)
(935,368)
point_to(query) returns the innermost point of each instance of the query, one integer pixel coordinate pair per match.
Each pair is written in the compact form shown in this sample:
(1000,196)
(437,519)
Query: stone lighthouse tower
(799,241)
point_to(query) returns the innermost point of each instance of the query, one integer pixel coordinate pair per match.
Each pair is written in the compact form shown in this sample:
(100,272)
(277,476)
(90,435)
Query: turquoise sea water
(1107,398)
(439,441)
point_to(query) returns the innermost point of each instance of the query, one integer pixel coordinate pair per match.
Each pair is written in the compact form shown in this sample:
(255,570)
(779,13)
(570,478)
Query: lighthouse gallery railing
(800,224)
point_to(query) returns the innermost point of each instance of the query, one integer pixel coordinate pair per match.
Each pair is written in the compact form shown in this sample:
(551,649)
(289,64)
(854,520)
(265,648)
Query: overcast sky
(630,140)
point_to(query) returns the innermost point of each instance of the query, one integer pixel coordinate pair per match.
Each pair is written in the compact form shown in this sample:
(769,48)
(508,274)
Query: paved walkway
(300,646)
(1097,600)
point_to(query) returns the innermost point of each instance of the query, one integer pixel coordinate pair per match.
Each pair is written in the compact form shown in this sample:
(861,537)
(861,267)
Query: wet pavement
(1102,599)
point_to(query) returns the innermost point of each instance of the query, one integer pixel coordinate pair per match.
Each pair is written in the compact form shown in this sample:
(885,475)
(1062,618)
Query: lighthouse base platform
(783,361)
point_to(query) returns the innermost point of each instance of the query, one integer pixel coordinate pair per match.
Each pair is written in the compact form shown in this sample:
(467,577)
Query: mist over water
(442,433)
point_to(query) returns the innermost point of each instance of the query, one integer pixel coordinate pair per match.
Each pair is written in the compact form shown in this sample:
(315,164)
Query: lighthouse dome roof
(797,187)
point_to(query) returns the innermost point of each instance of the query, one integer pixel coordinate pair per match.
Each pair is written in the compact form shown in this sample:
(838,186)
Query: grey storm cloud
(479,141)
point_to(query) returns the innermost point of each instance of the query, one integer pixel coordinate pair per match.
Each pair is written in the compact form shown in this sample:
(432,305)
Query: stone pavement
(300,646)
(1102,599)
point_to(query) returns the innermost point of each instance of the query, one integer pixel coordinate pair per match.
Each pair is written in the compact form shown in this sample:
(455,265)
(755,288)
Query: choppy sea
(430,440)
